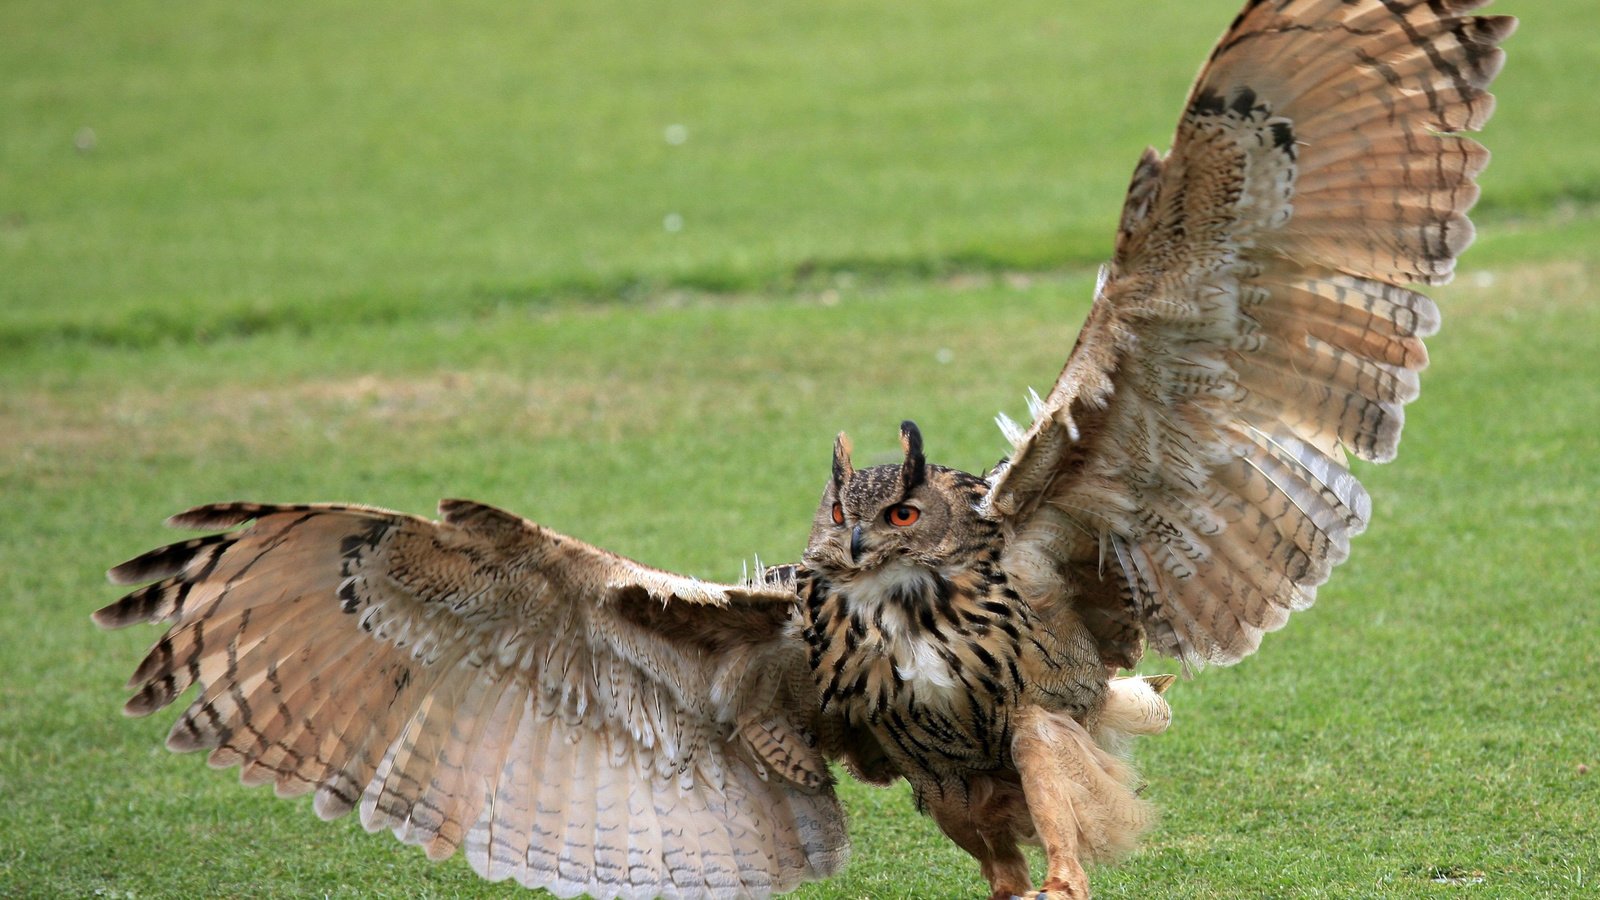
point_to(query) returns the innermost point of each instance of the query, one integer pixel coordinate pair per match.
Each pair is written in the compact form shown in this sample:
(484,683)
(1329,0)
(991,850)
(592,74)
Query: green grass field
(387,254)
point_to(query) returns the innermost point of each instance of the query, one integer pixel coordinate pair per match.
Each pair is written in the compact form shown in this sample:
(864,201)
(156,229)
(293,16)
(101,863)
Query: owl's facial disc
(879,516)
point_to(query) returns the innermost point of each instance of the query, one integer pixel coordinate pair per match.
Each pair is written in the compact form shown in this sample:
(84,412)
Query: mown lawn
(319,251)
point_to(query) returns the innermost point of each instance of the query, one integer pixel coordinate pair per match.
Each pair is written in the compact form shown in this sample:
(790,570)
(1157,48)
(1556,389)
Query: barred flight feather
(484,682)
(1253,328)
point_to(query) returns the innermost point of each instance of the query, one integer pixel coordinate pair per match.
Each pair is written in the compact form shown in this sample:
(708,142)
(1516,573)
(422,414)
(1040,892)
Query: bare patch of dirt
(1524,288)
(50,423)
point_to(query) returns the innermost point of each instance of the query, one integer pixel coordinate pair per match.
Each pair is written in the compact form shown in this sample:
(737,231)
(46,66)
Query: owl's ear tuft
(842,470)
(915,468)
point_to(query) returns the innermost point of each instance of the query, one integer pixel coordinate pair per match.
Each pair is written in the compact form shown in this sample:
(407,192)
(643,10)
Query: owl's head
(910,513)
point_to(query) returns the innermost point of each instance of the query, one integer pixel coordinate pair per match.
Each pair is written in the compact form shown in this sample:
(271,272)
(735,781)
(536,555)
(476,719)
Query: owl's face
(911,514)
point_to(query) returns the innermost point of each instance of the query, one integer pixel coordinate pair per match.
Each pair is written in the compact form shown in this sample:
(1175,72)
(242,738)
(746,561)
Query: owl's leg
(985,830)
(1047,783)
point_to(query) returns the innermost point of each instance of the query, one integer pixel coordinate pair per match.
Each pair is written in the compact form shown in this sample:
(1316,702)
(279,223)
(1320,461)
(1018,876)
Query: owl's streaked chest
(892,643)
(928,662)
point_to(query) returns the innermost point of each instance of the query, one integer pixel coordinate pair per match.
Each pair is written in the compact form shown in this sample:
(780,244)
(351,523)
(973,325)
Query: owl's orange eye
(902,515)
(838,514)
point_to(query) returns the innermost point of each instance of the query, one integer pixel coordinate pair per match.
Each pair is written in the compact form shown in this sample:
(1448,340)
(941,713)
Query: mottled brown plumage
(578,721)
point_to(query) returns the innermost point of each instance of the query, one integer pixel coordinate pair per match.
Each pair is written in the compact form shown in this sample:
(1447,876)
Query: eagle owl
(581,722)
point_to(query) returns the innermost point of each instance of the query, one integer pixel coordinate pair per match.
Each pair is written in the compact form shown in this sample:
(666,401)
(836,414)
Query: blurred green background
(626,269)
(215,167)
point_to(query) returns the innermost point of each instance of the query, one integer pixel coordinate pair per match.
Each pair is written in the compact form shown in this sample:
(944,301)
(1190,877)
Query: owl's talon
(1056,893)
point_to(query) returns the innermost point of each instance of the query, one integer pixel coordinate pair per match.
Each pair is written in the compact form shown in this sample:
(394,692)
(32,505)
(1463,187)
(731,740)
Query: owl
(584,723)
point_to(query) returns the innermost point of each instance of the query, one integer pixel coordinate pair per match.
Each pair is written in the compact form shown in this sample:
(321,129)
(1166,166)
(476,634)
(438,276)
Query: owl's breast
(927,662)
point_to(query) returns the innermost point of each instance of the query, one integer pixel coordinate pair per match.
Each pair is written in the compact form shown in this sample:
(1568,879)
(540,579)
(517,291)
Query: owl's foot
(1061,891)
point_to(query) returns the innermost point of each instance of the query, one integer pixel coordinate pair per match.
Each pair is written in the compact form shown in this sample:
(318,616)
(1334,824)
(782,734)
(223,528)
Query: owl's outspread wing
(575,720)
(1186,478)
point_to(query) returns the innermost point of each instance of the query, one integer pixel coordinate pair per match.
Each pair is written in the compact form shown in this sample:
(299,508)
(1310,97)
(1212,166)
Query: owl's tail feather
(1134,706)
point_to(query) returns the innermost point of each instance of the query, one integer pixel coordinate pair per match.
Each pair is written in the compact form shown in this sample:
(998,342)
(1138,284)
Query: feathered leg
(1080,796)
(984,828)
(1046,785)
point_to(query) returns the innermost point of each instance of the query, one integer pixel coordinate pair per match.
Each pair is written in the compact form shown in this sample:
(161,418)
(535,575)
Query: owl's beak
(855,544)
